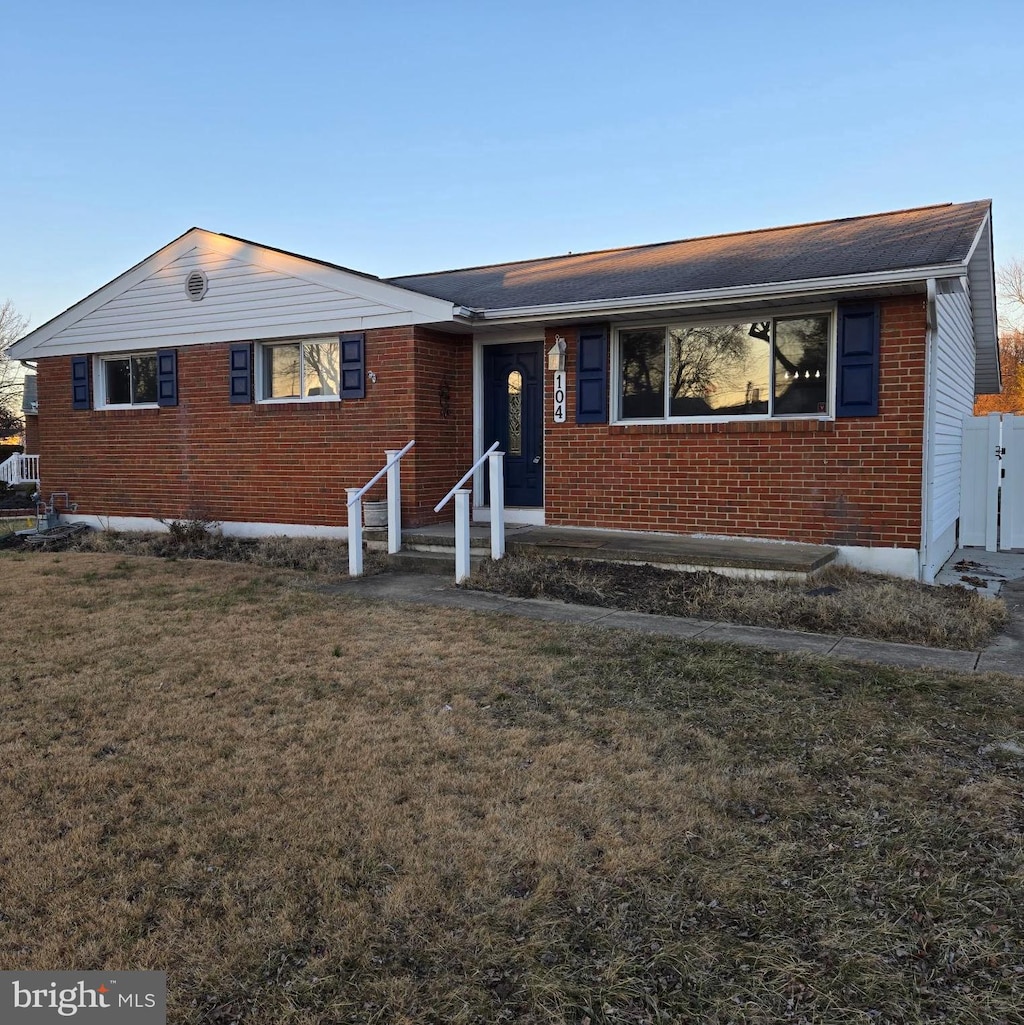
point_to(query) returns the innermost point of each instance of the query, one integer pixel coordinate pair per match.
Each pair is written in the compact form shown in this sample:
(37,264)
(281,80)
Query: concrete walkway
(1005,655)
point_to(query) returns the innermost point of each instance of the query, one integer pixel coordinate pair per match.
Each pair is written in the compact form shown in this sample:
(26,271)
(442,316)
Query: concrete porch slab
(727,555)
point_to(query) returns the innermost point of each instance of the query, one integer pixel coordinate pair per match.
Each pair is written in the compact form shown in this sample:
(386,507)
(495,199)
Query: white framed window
(126,380)
(301,370)
(773,366)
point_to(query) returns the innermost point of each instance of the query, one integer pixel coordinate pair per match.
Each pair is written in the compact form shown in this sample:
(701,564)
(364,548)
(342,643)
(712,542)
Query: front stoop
(737,557)
(411,560)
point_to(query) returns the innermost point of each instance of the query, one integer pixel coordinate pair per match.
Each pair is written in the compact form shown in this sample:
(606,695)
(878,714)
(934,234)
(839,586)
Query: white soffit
(251,293)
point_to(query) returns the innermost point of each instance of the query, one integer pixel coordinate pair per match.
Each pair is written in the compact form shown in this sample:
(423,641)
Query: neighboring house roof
(926,237)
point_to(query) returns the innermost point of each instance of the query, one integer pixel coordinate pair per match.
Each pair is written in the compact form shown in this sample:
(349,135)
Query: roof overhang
(980,271)
(771,292)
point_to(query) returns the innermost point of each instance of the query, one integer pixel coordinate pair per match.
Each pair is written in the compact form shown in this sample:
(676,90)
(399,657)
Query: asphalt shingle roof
(901,240)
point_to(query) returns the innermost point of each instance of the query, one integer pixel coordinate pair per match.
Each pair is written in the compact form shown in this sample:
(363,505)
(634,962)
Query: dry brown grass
(190,539)
(837,601)
(309,809)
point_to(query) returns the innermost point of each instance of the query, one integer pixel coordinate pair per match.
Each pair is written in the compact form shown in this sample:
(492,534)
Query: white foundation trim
(227,528)
(896,562)
(516,514)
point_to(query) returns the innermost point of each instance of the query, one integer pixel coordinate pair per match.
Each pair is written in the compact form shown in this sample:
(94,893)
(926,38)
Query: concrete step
(729,556)
(411,560)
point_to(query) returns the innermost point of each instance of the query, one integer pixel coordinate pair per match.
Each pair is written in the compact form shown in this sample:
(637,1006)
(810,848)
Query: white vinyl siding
(952,400)
(242,294)
(253,293)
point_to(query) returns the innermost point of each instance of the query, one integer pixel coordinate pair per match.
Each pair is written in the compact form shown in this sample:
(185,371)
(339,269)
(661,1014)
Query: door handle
(536,460)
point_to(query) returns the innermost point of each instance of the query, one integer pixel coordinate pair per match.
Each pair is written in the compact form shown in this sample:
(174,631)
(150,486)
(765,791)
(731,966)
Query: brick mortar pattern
(852,481)
(270,463)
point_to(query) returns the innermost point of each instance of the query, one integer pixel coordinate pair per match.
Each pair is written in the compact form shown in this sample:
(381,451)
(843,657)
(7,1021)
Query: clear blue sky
(404,137)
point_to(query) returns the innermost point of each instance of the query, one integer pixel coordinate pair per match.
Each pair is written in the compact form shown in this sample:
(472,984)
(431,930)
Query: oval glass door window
(515,413)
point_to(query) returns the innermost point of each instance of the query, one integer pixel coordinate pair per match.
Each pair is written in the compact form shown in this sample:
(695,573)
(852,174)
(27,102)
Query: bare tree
(12,327)
(1010,280)
(1011,365)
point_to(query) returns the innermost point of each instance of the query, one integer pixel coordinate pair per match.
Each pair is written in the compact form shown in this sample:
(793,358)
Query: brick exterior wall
(31,434)
(850,481)
(265,463)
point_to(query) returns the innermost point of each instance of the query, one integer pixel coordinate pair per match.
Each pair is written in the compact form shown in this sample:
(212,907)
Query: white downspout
(925,573)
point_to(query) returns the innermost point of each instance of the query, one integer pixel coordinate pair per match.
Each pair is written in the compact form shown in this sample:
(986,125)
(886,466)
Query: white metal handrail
(496,461)
(355,494)
(462,480)
(393,459)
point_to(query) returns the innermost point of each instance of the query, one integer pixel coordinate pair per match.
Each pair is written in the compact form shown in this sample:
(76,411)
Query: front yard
(308,809)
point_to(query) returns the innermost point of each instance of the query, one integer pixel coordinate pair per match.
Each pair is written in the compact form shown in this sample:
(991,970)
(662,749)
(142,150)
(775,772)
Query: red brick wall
(848,481)
(31,434)
(851,481)
(272,463)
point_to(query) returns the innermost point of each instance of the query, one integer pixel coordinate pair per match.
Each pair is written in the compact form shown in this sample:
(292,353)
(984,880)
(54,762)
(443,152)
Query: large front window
(308,369)
(128,380)
(773,367)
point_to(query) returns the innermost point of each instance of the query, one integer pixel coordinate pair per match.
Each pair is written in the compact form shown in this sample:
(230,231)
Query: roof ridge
(298,256)
(679,241)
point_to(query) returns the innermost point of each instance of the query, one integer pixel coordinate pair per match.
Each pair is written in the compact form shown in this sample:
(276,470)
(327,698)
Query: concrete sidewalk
(1005,655)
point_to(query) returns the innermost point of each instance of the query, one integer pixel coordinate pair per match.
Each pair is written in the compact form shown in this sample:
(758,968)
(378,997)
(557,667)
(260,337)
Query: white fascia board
(29,347)
(978,236)
(409,307)
(176,339)
(716,296)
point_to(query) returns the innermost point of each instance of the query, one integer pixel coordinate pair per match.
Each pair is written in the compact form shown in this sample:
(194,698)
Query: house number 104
(560,397)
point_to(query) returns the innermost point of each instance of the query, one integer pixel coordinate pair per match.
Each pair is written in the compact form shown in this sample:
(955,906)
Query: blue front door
(514,417)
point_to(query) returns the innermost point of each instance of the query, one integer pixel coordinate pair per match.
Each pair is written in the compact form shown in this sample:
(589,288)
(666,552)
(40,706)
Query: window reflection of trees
(717,368)
(302,370)
(643,374)
(323,369)
(144,378)
(283,365)
(769,366)
(801,365)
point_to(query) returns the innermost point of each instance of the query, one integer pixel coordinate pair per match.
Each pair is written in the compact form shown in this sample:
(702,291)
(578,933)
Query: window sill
(780,426)
(128,408)
(311,400)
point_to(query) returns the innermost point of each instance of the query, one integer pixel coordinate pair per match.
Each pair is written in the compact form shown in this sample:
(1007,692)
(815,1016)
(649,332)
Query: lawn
(308,809)
(839,600)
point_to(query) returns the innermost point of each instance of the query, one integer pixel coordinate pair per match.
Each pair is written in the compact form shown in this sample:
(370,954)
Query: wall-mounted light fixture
(556,355)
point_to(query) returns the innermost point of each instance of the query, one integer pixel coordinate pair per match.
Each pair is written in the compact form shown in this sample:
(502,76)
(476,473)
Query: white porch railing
(355,510)
(496,466)
(20,469)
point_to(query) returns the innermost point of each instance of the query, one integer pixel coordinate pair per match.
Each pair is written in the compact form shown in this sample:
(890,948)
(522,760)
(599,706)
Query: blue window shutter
(353,362)
(592,375)
(166,377)
(857,360)
(80,391)
(241,374)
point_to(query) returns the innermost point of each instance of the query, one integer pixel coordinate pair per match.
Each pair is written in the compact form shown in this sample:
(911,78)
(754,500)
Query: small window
(758,368)
(515,413)
(303,370)
(128,380)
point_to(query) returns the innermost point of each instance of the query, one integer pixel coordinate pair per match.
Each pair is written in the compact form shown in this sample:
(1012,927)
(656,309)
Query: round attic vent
(196,285)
